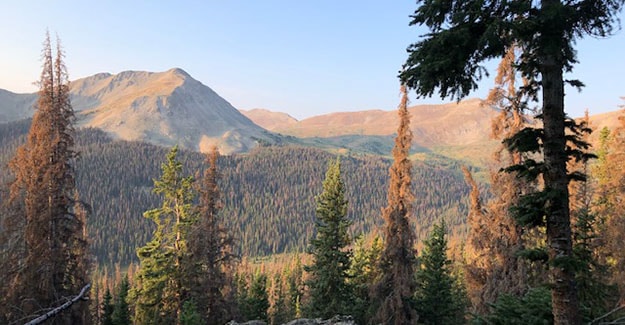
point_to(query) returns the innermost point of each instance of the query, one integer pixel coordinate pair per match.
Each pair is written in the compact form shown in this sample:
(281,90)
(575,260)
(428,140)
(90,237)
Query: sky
(304,58)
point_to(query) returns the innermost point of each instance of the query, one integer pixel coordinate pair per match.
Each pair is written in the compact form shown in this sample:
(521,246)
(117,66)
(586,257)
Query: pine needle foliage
(161,288)
(465,33)
(439,299)
(330,293)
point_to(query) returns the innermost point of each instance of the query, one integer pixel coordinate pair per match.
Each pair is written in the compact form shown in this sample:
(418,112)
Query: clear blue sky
(304,58)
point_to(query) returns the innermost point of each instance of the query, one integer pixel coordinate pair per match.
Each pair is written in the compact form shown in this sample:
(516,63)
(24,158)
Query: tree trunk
(563,292)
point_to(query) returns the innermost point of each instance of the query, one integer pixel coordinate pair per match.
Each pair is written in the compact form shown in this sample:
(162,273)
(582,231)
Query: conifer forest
(97,230)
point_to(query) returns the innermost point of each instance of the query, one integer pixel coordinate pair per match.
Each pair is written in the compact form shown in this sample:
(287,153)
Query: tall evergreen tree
(107,308)
(465,33)
(44,247)
(493,265)
(211,257)
(160,289)
(330,293)
(438,297)
(364,271)
(393,291)
(278,311)
(256,303)
(295,287)
(121,311)
(595,294)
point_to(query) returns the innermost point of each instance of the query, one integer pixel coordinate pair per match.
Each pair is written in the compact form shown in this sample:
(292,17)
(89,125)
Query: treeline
(268,193)
(498,281)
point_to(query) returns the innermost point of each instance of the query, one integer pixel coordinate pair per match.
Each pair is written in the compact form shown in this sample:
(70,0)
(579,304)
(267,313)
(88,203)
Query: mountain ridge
(171,108)
(165,108)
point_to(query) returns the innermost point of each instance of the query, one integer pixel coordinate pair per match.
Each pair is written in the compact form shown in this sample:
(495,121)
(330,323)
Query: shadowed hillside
(268,193)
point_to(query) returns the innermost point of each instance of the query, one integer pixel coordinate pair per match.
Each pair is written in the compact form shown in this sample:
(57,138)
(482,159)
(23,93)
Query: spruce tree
(160,289)
(295,287)
(278,311)
(330,293)
(438,298)
(393,291)
(364,271)
(107,308)
(121,312)
(463,34)
(43,241)
(493,265)
(533,308)
(211,259)
(257,300)
(595,294)
(190,315)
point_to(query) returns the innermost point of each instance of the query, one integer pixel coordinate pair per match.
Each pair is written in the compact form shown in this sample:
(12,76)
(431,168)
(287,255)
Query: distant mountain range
(165,108)
(433,125)
(171,107)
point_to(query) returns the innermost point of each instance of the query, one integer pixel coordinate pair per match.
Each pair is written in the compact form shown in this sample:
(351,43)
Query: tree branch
(596,320)
(62,307)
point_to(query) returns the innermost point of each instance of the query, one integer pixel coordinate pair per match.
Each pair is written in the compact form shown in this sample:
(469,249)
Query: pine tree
(329,291)
(242,288)
(595,294)
(462,35)
(493,265)
(393,292)
(364,271)
(43,240)
(107,308)
(160,289)
(438,297)
(295,289)
(278,311)
(190,315)
(211,258)
(609,206)
(121,312)
(533,308)
(257,300)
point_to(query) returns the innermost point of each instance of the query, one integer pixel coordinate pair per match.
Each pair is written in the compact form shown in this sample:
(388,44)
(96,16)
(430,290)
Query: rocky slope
(165,108)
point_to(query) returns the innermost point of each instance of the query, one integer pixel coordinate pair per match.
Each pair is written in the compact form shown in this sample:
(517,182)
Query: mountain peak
(165,108)
(178,72)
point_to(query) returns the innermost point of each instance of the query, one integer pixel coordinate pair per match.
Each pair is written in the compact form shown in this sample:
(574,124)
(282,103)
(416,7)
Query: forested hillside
(268,193)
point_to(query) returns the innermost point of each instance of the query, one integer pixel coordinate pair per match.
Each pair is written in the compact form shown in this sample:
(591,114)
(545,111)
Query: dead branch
(60,308)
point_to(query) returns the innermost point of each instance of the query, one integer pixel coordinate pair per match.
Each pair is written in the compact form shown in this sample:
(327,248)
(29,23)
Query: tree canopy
(465,34)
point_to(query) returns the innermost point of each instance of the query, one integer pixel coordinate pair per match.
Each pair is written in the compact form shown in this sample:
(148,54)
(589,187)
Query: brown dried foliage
(44,240)
(211,247)
(611,207)
(492,265)
(396,286)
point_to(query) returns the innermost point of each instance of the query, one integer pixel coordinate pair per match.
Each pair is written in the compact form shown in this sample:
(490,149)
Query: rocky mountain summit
(164,108)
